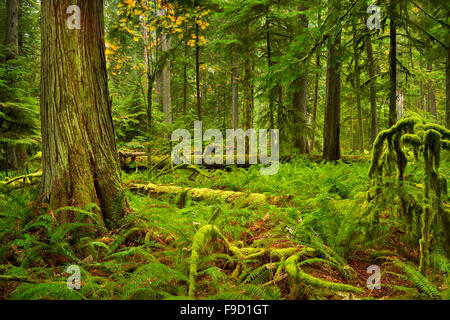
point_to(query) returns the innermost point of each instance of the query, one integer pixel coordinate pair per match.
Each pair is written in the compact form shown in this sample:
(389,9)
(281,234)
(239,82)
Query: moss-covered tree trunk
(79,157)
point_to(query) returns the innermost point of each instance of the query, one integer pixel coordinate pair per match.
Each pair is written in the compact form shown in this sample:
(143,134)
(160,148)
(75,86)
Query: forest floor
(150,255)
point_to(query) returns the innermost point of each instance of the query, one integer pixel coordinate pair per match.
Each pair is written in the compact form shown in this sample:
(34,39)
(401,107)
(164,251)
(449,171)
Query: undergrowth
(318,247)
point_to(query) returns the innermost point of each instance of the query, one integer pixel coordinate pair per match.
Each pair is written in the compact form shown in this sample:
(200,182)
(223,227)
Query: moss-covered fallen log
(204,194)
(19,181)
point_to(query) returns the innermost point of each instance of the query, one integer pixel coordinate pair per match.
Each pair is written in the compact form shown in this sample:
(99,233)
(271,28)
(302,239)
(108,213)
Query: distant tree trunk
(17,154)
(12,29)
(79,156)
(248,104)
(447,90)
(235,90)
(269,64)
(331,132)
(185,79)
(392,65)
(431,94)
(197,72)
(299,99)
(316,101)
(165,81)
(358,102)
(400,105)
(373,94)
(352,127)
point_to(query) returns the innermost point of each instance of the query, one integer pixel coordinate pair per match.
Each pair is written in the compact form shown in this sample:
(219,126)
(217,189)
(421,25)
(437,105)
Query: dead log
(138,160)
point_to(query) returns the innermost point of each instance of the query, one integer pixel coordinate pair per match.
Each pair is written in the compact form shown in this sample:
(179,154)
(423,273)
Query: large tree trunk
(331,132)
(392,65)
(299,100)
(17,154)
(79,157)
(373,94)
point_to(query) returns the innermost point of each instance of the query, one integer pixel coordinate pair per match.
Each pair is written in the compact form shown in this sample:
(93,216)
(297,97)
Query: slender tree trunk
(331,144)
(269,64)
(165,81)
(392,65)
(197,72)
(316,101)
(185,79)
(373,94)
(248,105)
(299,99)
(358,102)
(431,93)
(17,154)
(352,127)
(447,90)
(79,156)
(235,90)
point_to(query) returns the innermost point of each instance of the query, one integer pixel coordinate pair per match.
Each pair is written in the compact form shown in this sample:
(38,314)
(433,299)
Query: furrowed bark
(79,158)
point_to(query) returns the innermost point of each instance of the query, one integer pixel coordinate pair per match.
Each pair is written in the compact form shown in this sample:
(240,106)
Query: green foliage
(419,281)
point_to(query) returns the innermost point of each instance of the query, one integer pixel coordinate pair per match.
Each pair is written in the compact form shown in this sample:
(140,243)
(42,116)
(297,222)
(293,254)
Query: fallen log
(19,181)
(204,194)
(138,160)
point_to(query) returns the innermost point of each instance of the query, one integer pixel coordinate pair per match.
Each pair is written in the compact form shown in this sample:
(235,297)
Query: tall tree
(358,98)
(166,96)
(79,156)
(431,94)
(331,131)
(235,91)
(299,99)
(373,94)
(16,153)
(392,64)
(447,88)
